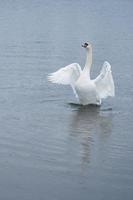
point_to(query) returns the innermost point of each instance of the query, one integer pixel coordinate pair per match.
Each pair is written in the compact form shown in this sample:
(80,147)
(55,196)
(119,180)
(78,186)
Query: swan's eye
(86,44)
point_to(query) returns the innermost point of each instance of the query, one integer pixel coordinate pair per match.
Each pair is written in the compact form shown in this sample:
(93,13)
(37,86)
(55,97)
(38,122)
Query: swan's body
(86,90)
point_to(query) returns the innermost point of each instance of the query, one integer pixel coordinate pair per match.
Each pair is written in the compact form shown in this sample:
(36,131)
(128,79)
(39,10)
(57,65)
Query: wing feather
(104,82)
(66,75)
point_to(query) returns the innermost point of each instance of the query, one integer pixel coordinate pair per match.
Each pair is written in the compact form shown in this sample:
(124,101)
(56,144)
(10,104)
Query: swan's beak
(85,45)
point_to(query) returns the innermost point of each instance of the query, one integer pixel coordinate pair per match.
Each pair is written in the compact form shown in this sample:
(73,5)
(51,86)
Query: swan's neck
(88,61)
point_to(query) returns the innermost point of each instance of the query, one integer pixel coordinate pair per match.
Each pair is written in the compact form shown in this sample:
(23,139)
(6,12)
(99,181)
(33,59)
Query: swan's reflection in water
(91,126)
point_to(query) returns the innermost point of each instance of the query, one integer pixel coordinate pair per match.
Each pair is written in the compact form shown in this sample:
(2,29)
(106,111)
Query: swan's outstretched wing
(104,82)
(67,75)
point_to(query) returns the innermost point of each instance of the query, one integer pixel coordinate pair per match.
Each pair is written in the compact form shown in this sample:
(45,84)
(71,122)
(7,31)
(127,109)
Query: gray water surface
(50,148)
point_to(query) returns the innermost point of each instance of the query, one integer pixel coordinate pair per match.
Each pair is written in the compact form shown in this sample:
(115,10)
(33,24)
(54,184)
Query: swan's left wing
(104,82)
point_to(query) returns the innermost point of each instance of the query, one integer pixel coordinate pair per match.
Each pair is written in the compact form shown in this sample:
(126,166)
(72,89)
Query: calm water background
(50,149)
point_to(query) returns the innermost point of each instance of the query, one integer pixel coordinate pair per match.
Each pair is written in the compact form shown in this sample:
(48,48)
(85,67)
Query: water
(50,148)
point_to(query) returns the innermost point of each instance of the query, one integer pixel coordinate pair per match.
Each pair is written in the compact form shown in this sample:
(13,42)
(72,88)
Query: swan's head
(86,45)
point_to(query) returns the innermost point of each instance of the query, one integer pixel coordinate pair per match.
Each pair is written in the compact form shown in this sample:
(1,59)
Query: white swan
(86,90)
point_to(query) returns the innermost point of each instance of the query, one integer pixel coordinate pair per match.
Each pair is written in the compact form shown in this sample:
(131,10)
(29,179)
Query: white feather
(67,75)
(104,82)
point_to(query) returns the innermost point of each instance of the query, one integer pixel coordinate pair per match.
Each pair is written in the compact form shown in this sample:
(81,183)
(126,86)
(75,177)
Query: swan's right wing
(104,82)
(67,75)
